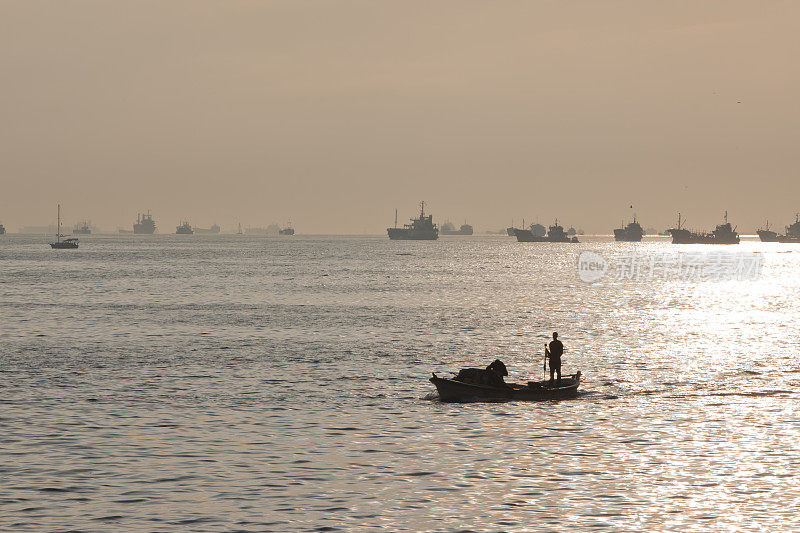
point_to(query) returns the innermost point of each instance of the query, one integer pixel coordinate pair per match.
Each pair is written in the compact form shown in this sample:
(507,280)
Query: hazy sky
(334,113)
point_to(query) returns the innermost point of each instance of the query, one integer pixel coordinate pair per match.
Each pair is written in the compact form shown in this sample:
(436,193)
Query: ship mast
(58,229)
(422,209)
(395,217)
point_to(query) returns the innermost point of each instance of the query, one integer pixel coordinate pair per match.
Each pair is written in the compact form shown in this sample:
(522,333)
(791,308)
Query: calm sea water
(238,383)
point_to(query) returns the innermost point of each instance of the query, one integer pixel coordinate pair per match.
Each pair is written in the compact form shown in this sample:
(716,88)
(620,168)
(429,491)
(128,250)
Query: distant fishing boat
(722,234)
(288,230)
(82,228)
(184,229)
(213,230)
(511,231)
(2,229)
(449,229)
(766,234)
(633,232)
(240,232)
(144,224)
(792,232)
(420,229)
(271,230)
(66,243)
(555,233)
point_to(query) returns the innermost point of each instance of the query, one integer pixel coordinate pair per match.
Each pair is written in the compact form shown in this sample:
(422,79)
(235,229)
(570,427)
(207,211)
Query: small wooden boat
(451,390)
(66,244)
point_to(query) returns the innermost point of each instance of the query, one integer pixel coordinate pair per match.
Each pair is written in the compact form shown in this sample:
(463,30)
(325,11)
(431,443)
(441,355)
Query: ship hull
(767,236)
(788,239)
(456,232)
(139,229)
(404,234)
(526,235)
(626,236)
(682,236)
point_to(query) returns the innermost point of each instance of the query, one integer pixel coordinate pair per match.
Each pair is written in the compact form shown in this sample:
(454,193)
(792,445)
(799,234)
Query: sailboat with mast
(66,243)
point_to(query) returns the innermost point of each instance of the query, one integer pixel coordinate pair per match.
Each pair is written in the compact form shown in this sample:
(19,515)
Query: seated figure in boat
(492,375)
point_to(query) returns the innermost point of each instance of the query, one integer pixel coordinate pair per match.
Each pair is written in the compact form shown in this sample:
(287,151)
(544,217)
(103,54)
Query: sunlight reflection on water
(255,384)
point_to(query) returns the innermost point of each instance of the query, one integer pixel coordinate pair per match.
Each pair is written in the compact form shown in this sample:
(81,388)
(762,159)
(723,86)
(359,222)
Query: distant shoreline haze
(169,226)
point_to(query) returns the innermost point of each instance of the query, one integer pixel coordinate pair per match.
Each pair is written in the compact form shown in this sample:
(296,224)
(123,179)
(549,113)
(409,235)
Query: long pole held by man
(544,363)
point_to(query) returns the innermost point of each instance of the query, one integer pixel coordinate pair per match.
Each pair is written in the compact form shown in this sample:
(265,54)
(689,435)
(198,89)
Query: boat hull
(64,245)
(457,391)
(682,236)
(404,234)
(526,235)
(767,235)
(621,235)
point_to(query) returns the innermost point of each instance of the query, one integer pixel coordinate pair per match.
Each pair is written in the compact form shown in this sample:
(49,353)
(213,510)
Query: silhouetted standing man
(554,354)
